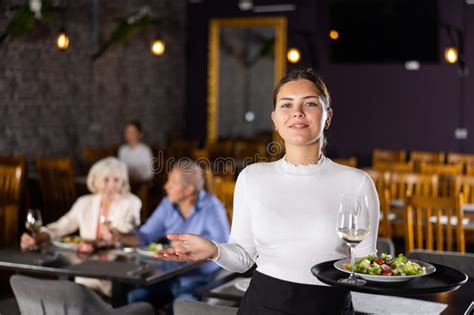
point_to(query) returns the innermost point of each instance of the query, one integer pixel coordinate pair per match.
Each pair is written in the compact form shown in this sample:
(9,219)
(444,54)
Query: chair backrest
(460,158)
(11,180)
(427,218)
(352,161)
(429,157)
(11,188)
(399,167)
(223,189)
(461,261)
(91,155)
(401,185)
(381,180)
(470,170)
(38,296)
(189,307)
(465,185)
(58,190)
(446,173)
(382,155)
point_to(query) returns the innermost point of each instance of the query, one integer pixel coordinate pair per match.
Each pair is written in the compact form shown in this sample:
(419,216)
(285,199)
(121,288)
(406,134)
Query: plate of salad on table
(150,250)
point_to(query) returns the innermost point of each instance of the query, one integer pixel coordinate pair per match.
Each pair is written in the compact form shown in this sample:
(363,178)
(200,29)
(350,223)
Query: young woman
(135,154)
(285,212)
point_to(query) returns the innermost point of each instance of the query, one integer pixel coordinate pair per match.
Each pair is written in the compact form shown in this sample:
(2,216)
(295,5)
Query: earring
(276,128)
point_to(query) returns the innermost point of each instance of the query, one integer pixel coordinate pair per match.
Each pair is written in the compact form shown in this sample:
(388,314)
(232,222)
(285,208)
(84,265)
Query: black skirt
(270,296)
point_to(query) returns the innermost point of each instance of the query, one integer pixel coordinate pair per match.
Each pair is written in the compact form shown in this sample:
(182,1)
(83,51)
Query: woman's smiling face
(300,114)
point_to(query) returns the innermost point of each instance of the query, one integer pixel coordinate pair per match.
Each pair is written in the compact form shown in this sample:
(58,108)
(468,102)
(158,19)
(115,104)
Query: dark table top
(458,300)
(115,265)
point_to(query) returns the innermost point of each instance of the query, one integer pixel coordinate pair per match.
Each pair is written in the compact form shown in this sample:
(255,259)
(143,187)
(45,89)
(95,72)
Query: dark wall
(374,105)
(54,103)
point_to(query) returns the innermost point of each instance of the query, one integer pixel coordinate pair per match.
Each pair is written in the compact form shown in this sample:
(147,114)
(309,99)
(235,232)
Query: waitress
(285,212)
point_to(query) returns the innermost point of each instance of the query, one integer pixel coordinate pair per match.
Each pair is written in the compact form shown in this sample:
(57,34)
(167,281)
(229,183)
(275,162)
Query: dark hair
(304,74)
(136,124)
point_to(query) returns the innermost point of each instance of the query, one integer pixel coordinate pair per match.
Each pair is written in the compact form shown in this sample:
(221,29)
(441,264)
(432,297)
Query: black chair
(461,261)
(39,296)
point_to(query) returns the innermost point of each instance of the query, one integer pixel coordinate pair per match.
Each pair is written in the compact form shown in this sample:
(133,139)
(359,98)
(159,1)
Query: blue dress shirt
(207,218)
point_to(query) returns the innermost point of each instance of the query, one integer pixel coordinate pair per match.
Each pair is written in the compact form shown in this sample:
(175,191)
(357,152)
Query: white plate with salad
(68,242)
(386,268)
(149,250)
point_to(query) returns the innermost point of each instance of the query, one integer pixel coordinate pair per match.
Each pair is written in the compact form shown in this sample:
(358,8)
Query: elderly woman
(110,205)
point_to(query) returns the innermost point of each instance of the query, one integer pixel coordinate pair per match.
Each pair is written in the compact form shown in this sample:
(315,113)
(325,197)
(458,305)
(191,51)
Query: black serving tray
(443,279)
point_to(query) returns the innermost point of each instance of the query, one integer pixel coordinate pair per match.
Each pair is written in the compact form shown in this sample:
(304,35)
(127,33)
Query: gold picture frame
(215,25)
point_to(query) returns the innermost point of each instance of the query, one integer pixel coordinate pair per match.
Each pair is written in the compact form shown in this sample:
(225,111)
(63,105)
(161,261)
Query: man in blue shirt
(186,209)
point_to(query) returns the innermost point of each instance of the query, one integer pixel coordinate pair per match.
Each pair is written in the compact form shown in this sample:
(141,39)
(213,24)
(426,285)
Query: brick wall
(53,103)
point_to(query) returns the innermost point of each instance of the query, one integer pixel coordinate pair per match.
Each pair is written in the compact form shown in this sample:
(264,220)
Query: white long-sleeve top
(138,160)
(285,218)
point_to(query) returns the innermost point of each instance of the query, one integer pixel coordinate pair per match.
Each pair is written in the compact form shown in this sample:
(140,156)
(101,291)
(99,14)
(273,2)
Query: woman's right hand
(188,247)
(28,242)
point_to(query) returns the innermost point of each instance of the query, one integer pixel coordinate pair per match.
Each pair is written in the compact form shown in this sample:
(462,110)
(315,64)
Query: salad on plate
(150,250)
(386,268)
(68,242)
(386,265)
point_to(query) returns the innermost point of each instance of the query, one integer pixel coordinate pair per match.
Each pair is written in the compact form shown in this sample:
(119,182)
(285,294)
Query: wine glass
(106,223)
(352,227)
(33,221)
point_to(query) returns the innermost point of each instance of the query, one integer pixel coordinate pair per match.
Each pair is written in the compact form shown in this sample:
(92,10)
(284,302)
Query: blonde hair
(100,168)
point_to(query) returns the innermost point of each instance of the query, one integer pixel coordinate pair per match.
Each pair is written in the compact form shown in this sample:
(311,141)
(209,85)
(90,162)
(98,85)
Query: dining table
(126,268)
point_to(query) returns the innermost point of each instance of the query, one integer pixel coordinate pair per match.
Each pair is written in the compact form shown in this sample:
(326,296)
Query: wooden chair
(352,161)
(446,172)
(181,148)
(401,185)
(223,189)
(470,170)
(380,180)
(428,218)
(461,158)
(465,185)
(383,155)
(428,157)
(58,191)
(399,167)
(91,155)
(11,182)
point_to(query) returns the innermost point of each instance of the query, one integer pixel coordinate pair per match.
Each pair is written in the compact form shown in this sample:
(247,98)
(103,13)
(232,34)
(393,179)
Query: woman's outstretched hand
(188,247)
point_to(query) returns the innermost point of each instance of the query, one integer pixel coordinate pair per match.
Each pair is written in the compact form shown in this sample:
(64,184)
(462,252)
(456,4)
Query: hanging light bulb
(158,47)
(451,55)
(333,34)
(293,55)
(62,41)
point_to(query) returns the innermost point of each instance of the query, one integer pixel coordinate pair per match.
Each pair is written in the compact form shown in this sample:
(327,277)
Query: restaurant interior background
(54,103)
(58,102)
